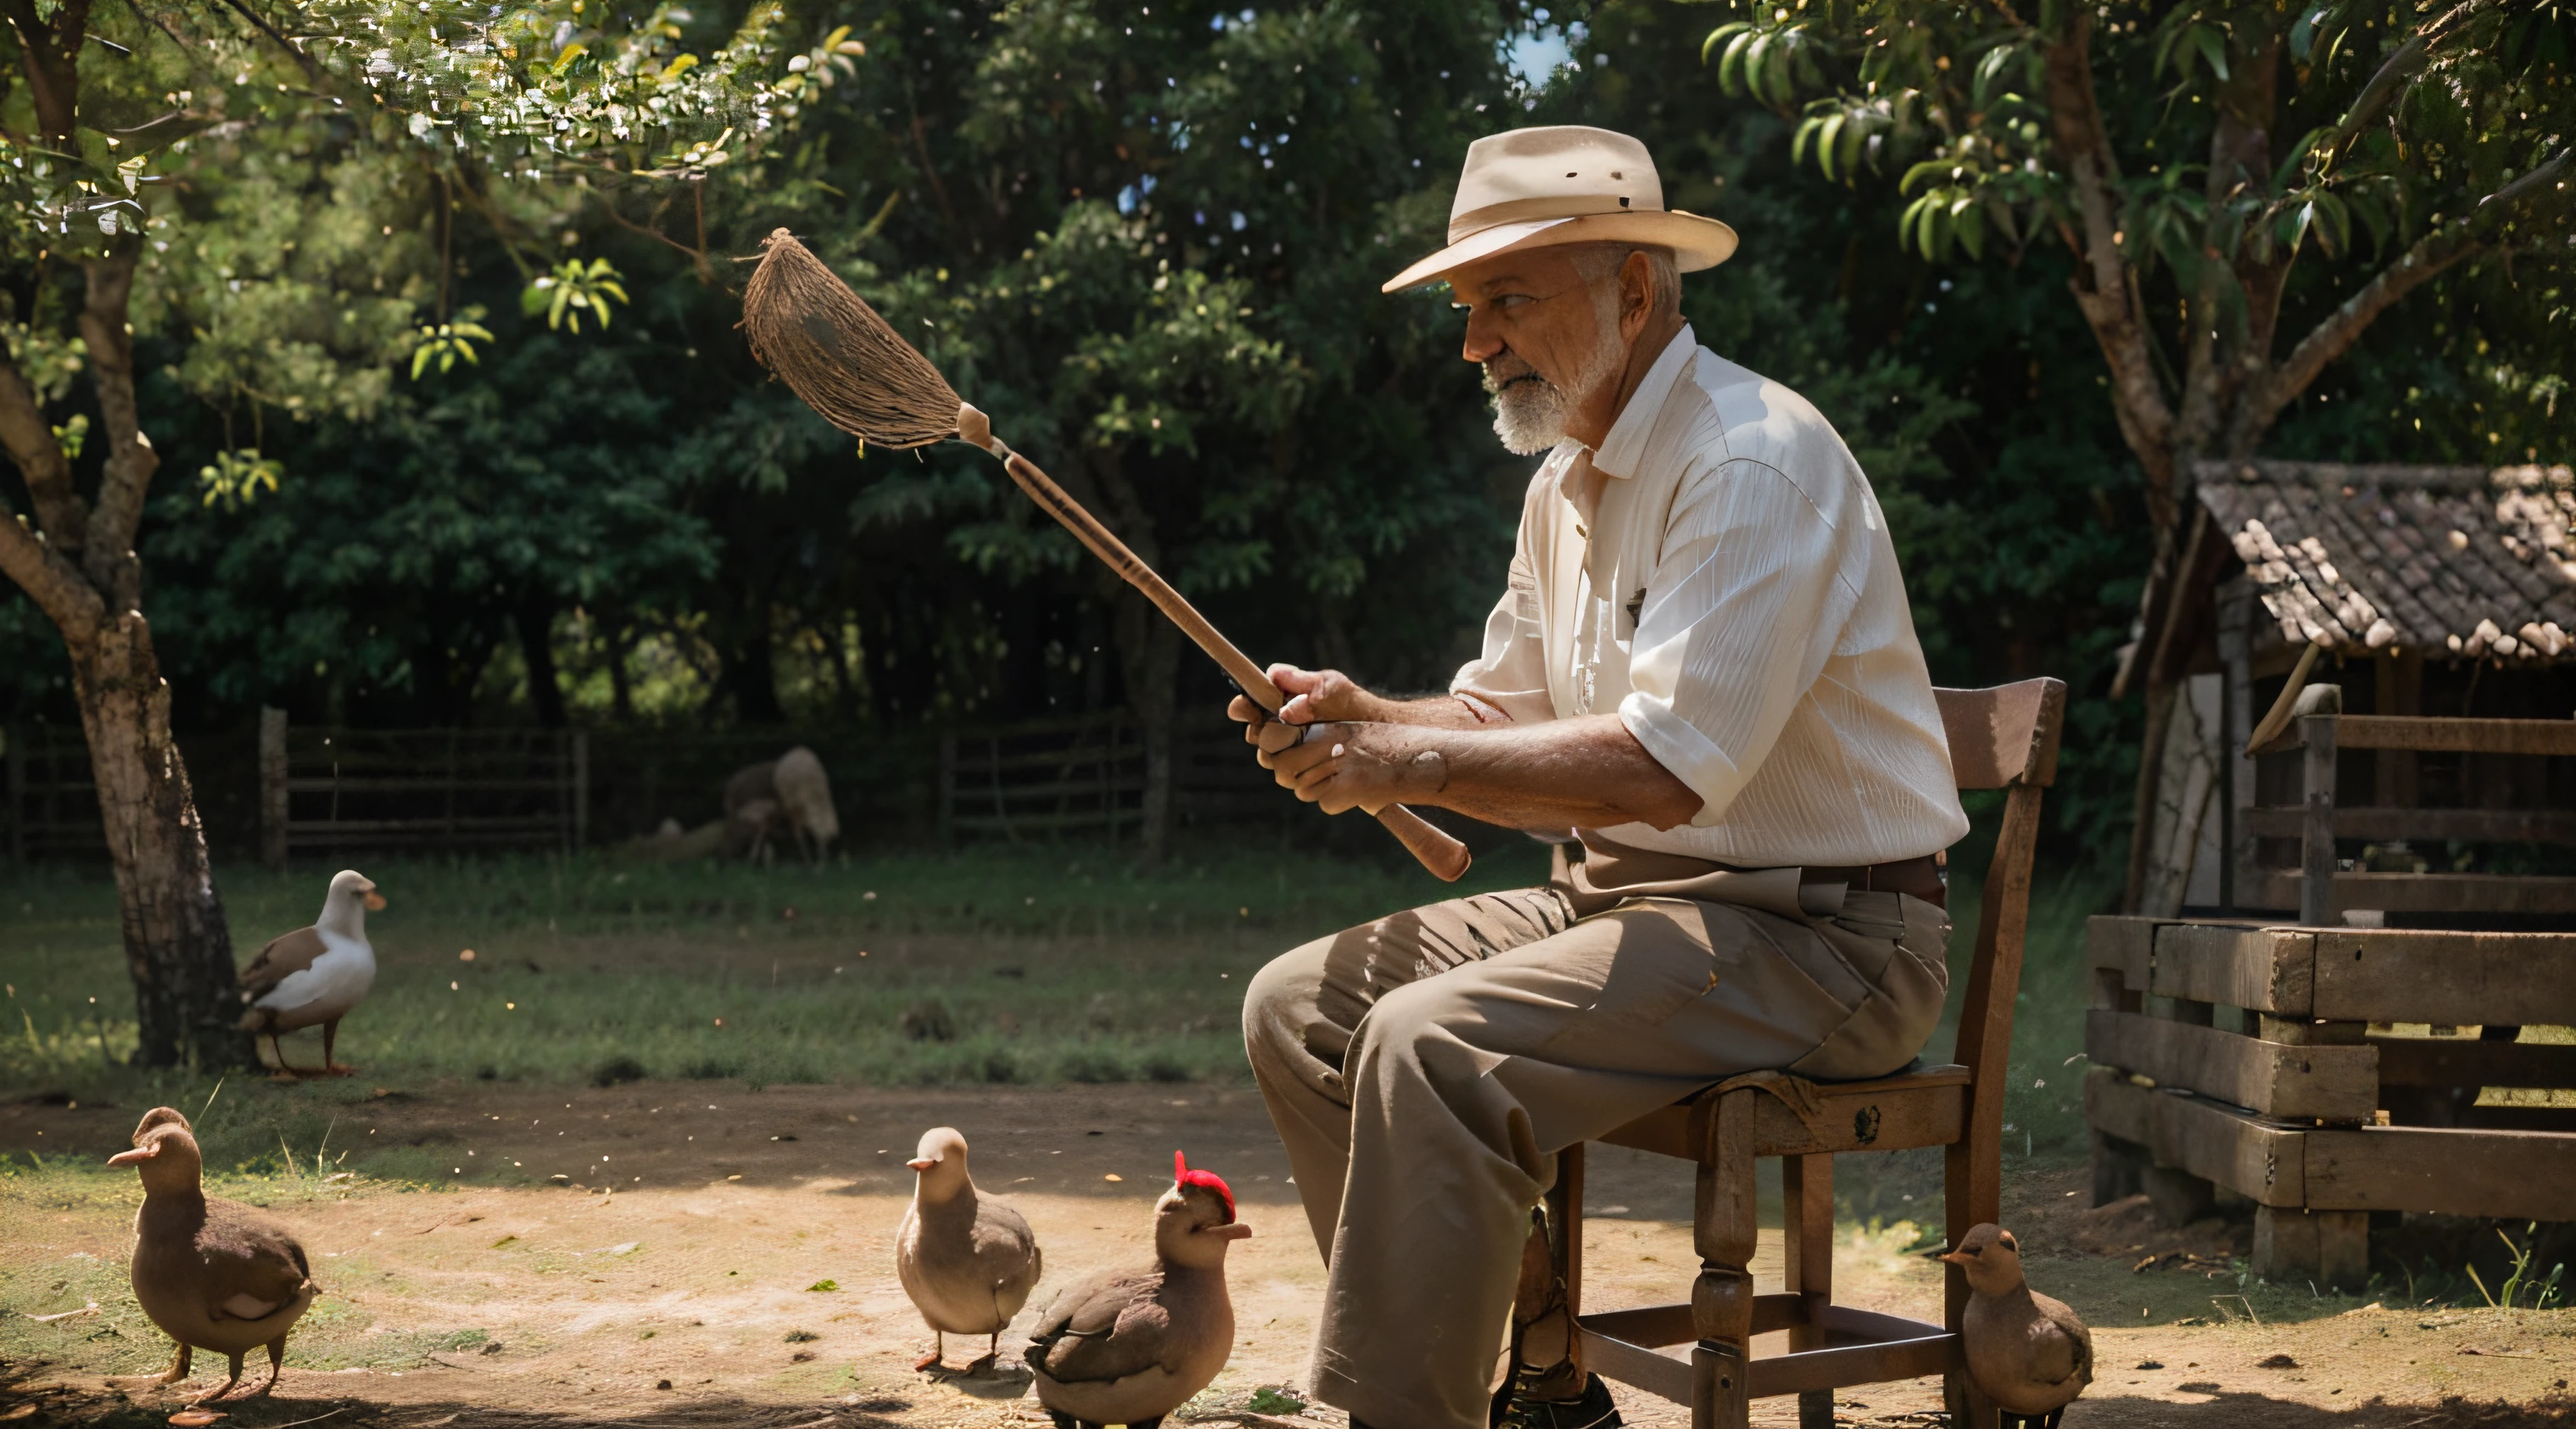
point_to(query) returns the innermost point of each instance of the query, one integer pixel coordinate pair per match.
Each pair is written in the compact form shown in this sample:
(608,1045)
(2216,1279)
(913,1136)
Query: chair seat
(1924,1107)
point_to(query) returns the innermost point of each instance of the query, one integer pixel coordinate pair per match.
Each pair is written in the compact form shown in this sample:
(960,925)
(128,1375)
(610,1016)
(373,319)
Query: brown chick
(968,1262)
(213,1274)
(2030,1354)
(1130,1348)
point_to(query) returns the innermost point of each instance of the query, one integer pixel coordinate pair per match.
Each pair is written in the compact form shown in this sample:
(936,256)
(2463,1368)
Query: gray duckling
(1130,1348)
(967,1261)
(212,1274)
(2030,1354)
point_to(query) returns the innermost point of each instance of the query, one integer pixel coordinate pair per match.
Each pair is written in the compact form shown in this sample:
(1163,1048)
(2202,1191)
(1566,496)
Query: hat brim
(1696,242)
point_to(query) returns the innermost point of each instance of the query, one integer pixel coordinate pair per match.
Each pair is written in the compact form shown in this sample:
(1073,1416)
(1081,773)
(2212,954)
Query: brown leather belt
(1921,877)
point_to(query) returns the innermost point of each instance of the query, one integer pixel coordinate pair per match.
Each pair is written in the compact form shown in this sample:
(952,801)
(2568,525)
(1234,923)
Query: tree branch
(697,256)
(302,59)
(60,511)
(130,458)
(2101,285)
(2407,61)
(2460,239)
(47,576)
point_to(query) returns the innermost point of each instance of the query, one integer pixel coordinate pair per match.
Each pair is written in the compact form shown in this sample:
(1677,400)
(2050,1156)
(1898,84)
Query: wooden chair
(2004,738)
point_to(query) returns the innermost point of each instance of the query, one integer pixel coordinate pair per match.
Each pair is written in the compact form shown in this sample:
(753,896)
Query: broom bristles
(833,350)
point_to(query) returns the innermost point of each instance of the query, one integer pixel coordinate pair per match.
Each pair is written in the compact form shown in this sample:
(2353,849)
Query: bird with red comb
(1128,1348)
(1183,1178)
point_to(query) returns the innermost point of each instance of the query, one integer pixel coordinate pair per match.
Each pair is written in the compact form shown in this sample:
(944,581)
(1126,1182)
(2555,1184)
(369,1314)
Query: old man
(1703,671)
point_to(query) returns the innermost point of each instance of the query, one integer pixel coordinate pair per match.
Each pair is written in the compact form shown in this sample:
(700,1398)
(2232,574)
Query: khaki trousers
(1424,1069)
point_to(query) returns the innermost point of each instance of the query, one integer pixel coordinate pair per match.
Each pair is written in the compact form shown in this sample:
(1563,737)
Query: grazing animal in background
(789,796)
(968,1262)
(2030,1354)
(213,1274)
(805,797)
(1130,1348)
(317,974)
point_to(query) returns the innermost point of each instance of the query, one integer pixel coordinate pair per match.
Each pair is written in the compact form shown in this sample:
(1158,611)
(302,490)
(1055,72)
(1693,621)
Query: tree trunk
(1149,661)
(178,946)
(536,622)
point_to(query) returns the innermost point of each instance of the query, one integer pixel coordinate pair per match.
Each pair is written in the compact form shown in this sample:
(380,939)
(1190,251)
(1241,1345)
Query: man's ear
(1636,294)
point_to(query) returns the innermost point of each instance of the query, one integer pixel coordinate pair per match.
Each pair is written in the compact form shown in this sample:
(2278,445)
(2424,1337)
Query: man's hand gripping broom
(850,366)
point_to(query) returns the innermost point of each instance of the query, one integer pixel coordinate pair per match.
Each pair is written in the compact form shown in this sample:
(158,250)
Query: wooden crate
(2285,1099)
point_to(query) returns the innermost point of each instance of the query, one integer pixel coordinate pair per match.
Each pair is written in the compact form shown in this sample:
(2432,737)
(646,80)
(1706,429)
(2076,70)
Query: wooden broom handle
(1444,856)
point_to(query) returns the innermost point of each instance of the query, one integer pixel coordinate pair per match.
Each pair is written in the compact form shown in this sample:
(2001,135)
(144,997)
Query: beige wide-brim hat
(1567,183)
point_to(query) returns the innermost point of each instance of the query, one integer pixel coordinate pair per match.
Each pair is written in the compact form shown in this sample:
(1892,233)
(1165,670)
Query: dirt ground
(717,1256)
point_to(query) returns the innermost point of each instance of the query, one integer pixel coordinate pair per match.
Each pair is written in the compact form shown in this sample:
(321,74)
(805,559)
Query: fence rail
(292,791)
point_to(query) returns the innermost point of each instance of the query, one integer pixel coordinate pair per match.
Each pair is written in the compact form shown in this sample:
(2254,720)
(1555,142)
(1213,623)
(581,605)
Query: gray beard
(1530,411)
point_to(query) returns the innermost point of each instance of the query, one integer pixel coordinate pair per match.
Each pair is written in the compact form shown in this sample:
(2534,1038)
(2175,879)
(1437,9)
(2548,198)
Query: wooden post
(272,788)
(581,788)
(947,791)
(2318,706)
(2331,1247)
(2236,876)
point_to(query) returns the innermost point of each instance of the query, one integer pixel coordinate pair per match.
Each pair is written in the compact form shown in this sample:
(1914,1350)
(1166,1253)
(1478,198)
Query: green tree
(101,141)
(1150,247)
(2243,188)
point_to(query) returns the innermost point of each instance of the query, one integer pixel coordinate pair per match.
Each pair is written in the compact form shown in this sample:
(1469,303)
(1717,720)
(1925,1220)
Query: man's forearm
(1574,773)
(1436,712)
(1578,773)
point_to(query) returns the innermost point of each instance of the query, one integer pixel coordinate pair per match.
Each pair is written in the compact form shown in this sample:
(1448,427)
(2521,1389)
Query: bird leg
(276,1366)
(226,1387)
(939,1351)
(178,1369)
(284,1068)
(330,1034)
(992,1355)
(1063,1420)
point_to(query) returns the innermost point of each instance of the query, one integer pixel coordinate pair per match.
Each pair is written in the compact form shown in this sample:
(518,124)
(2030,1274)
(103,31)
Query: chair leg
(1725,1230)
(1807,1226)
(1565,1246)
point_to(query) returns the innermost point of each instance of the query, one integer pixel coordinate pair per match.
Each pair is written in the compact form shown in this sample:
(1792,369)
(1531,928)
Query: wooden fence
(1086,775)
(295,792)
(335,790)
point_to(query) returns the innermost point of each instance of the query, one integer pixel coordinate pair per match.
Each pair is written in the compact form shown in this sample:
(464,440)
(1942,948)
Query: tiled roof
(2457,559)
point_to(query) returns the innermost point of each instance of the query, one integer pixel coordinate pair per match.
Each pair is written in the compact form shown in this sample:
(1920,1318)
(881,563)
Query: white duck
(317,974)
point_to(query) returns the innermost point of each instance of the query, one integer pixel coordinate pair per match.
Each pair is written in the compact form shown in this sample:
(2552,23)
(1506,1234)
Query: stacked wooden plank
(2263,1060)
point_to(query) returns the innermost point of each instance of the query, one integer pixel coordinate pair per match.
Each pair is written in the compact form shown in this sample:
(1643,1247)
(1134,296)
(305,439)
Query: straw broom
(850,366)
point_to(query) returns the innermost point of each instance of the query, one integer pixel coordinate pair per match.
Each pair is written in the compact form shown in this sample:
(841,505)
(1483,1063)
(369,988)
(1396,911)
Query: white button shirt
(1735,597)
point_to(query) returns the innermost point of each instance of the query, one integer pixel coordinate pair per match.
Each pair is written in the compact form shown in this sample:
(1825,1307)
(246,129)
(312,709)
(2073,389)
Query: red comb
(1182,1175)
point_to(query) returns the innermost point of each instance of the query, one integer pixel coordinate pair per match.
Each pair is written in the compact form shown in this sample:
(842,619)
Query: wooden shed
(2346,989)
(2425,591)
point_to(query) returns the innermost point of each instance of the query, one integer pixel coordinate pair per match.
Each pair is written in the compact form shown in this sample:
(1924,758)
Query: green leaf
(420,360)
(2213,47)
(1722,32)
(1828,144)
(1730,70)
(2303,34)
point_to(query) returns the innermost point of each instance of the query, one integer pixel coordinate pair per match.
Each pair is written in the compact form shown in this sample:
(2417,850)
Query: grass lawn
(1029,964)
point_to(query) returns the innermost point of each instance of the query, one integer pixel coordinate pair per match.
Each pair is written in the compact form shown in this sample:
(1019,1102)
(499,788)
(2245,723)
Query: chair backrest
(2003,738)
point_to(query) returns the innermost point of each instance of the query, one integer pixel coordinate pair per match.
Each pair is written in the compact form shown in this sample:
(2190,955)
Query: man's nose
(1482,340)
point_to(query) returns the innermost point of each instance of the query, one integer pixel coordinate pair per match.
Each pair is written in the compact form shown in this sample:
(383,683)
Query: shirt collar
(1625,447)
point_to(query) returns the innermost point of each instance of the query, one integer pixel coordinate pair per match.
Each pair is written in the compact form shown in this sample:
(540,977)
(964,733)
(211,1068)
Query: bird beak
(923,1164)
(135,1157)
(375,901)
(1231,1230)
(1951,1257)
